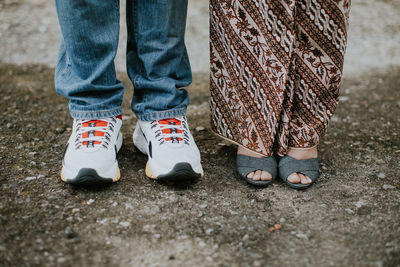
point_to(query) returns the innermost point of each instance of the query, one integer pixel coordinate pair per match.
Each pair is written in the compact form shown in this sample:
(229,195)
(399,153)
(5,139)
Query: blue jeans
(157,60)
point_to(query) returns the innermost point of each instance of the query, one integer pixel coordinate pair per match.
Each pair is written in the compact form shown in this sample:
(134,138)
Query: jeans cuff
(159,115)
(98,114)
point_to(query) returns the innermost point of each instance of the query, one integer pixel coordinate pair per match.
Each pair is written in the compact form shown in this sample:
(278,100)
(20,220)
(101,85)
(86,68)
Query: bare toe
(257,176)
(294,178)
(303,178)
(250,175)
(265,176)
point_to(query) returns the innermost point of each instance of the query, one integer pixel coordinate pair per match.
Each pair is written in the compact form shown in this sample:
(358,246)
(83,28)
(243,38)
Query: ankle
(303,153)
(246,152)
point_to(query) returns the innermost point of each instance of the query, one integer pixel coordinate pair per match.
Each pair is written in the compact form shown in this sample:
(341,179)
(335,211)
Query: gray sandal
(308,167)
(246,165)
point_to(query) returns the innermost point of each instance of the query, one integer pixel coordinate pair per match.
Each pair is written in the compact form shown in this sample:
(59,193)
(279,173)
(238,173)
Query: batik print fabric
(276,69)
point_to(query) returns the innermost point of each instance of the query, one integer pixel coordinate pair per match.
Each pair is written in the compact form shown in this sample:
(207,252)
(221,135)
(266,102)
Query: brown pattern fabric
(276,68)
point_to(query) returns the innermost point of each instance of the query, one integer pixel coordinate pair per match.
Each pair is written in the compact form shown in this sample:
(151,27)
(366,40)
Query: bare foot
(299,154)
(256,175)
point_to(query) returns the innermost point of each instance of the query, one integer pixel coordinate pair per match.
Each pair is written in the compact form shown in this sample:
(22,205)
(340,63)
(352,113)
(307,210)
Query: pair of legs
(276,70)
(158,66)
(156,59)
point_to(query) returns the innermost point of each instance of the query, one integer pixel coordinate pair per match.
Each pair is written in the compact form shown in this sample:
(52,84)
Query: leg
(321,36)
(157,59)
(85,71)
(251,47)
(85,74)
(159,68)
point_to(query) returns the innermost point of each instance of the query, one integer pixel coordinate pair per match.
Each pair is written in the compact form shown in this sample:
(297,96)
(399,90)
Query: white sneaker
(91,153)
(172,153)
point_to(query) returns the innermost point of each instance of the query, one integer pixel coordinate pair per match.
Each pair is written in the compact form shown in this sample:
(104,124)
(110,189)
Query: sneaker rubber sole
(88,176)
(180,172)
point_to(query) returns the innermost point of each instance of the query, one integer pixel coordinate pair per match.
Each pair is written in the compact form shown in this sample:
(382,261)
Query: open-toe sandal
(246,165)
(307,167)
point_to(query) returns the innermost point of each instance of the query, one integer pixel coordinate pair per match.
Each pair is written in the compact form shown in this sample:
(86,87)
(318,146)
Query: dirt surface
(350,217)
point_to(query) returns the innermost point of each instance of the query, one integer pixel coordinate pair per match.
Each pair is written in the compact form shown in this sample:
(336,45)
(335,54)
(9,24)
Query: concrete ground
(350,217)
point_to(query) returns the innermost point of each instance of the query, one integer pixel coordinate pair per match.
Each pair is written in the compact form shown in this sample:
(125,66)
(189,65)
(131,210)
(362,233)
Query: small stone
(90,201)
(381,175)
(202,244)
(75,210)
(59,130)
(30,178)
(128,206)
(354,220)
(102,221)
(232,212)
(9,125)
(147,228)
(203,206)
(388,187)
(69,232)
(171,257)
(209,231)
(157,236)
(245,238)
(359,203)
(301,235)
(61,260)
(349,211)
(125,224)
(200,128)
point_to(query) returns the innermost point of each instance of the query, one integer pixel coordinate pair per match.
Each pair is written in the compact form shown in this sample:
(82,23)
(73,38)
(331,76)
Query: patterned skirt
(276,69)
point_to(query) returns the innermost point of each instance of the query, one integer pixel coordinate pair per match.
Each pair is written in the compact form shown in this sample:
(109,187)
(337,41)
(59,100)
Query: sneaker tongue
(93,133)
(170,121)
(172,130)
(95,123)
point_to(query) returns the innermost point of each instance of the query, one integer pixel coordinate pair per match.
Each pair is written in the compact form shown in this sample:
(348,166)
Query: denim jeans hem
(159,115)
(98,114)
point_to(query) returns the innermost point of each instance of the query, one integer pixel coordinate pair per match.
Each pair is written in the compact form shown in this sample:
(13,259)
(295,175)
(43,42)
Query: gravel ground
(350,217)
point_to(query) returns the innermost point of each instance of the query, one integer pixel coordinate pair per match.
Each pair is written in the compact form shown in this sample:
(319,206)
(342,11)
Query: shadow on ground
(351,217)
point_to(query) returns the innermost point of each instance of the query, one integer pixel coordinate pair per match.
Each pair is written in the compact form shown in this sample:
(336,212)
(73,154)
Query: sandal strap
(308,167)
(247,164)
